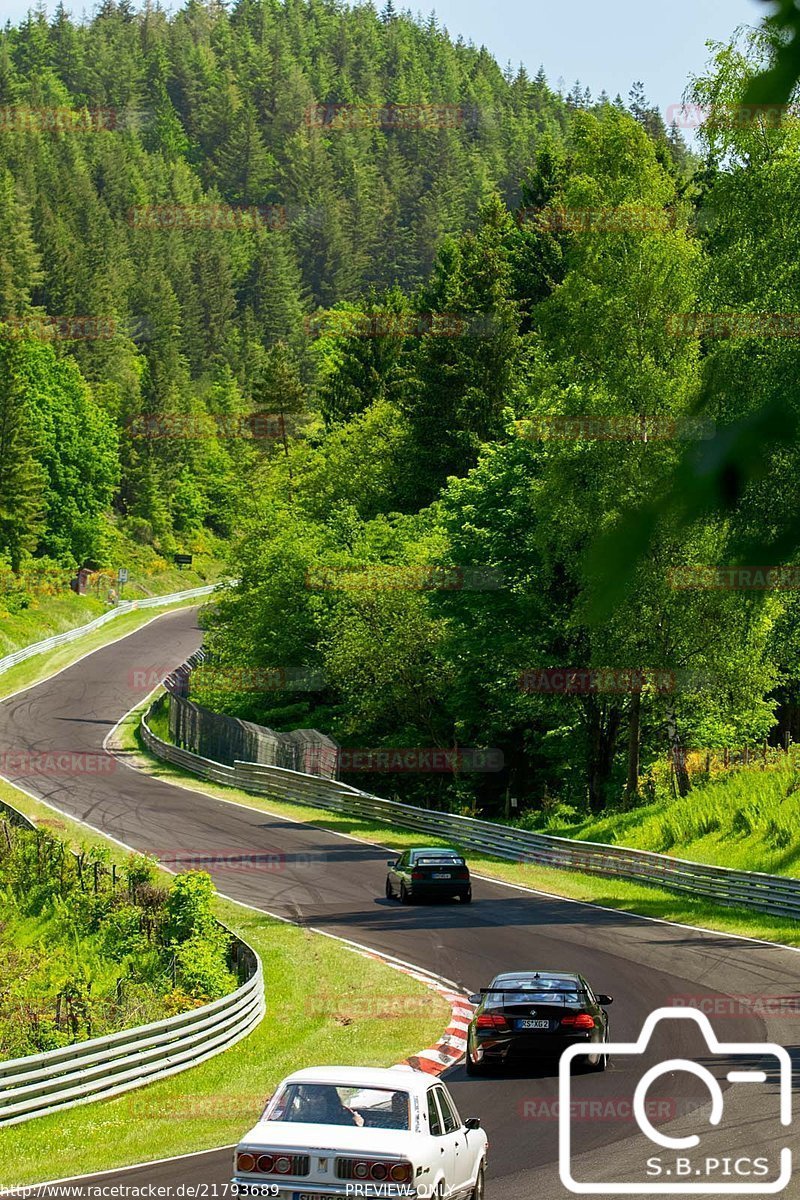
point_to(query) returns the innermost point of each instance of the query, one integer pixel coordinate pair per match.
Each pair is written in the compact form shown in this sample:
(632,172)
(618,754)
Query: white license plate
(441,875)
(533,1024)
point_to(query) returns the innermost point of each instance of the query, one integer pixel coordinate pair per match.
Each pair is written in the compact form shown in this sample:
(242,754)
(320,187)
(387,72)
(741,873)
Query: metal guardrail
(71,635)
(774,894)
(103,1067)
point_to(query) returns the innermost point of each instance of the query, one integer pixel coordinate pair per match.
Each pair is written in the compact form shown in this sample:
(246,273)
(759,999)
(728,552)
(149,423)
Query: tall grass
(748,818)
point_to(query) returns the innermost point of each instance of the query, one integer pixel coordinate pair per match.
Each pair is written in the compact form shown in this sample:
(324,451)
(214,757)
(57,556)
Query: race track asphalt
(336,885)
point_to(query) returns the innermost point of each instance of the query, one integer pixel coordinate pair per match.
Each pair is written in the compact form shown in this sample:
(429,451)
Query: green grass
(325,1004)
(42,666)
(748,818)
(635,898)
(50,615)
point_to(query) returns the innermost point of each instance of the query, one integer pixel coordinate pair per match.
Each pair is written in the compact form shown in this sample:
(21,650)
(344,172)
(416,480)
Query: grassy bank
(325,1004)
(748,818)
(654,902)
(42,666)
(49,614)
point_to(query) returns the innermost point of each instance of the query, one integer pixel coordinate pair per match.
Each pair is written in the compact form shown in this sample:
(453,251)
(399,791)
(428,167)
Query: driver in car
(322,1106)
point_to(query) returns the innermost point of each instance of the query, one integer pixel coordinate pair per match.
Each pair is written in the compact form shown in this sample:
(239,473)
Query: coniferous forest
(484,387)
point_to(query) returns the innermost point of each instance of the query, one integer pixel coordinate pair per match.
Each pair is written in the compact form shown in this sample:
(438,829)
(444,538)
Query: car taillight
(417,874)
(367,1168)
(578,1021)
(491,1021)
(273,1164)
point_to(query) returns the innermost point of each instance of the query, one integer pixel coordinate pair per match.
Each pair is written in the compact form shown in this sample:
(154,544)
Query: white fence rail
(103,1067)
(71,635)
(774,894)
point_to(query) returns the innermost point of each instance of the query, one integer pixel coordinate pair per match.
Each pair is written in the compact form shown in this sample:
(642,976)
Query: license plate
(441,875)
(533,1024)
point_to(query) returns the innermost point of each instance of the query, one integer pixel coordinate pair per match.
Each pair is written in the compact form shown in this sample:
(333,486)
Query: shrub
(200,965)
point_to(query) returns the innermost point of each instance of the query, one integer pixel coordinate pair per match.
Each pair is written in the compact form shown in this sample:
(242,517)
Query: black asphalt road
(336,885)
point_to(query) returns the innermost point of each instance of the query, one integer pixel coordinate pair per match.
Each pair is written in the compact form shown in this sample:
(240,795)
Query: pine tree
(22,479)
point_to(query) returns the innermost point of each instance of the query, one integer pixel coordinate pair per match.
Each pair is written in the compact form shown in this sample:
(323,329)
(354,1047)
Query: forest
(488,389)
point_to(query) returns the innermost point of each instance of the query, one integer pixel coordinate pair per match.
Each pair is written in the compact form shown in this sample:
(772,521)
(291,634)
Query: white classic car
(360,1132)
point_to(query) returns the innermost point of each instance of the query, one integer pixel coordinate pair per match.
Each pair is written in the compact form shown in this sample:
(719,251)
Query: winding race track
(336,885)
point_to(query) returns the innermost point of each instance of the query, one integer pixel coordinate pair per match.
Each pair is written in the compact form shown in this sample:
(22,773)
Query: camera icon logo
(675,1170)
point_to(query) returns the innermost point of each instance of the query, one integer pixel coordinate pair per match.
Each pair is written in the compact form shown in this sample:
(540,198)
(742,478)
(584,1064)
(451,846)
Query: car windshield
(337,1104)
(520,991)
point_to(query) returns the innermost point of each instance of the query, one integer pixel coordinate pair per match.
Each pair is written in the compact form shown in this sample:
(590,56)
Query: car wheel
(596,1062)
(405,898)
(477,1191)
(389,892)
(474,1069)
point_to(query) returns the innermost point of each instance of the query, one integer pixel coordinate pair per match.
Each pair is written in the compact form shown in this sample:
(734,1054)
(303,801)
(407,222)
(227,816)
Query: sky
(604,43)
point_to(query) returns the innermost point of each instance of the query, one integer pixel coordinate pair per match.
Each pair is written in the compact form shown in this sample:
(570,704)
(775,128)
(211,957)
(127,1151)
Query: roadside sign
(183,560)
(122,575)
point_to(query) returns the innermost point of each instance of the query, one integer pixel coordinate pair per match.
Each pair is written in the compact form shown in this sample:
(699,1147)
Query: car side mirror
(392,862)
(603,999)
(472,1123)
(476,999)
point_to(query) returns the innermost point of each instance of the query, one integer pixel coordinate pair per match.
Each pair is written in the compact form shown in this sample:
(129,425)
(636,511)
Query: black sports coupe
(536,1015)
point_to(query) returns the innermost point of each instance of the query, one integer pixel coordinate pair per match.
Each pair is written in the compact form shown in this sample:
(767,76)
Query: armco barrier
(772,894)
(107,1066)
(71,635)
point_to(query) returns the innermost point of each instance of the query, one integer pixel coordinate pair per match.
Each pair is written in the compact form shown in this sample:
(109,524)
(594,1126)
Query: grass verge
(49,615)
(324,1005)
(43,666)
(639,899)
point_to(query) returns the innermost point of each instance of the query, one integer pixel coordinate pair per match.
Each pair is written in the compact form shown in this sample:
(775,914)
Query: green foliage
(88,950)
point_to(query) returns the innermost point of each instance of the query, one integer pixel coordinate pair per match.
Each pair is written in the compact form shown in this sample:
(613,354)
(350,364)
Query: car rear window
(337,1104)
(436,860)
(540,991)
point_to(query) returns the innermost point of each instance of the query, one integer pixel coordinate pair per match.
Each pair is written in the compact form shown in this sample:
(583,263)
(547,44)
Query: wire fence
(225,739)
